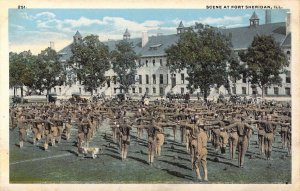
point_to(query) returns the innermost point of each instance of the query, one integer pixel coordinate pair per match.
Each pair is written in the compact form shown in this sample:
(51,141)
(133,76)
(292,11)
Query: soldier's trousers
(160,138)
(233,144)
(201,156)
(284,139)
(269,137)
(242,148)
(22,136)
(224,139)
(261,142)
(54,134)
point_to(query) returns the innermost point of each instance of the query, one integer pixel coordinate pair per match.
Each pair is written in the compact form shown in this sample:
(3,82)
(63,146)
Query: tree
(124,65)
(90,61)
(20,73)
(204,53)
(265,62)
(48,71)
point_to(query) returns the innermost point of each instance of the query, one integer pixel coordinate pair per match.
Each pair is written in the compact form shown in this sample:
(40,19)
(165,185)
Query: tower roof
(126,33)
(254,16)
(180,25)
(77,34)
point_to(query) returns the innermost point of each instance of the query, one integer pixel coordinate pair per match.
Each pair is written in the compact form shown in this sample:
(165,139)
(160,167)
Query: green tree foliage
(20,73)
(48,71)
(89,62)
(204,53)
(265,62)
(124,65)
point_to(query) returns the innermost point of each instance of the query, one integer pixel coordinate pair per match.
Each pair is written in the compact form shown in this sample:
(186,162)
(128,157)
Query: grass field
(61,164)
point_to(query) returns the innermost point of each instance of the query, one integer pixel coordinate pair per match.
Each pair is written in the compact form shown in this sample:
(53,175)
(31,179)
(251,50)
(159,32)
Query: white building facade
(155,78)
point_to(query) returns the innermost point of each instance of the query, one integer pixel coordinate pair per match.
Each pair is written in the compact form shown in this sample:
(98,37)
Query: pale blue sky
(33,29)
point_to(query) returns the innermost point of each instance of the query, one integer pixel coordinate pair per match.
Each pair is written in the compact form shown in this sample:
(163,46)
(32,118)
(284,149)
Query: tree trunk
(262,92)
(205,94)
(14,91)
(48,91)
(21,91)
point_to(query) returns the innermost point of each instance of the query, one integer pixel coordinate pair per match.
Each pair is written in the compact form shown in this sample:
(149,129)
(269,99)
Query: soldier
(261,134)
(37,130)
(159,140)
(47,134)
(269,128)
(289,140)
(283,133)
(242,129)
(124,138)
(53,131)
(68,126)
(151,130)
(22,129)
(201,154)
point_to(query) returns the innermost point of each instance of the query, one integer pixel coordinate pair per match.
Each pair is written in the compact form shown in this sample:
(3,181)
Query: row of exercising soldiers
(197,125)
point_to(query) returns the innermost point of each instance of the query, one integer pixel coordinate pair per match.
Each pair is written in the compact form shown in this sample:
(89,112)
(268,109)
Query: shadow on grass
(228,163)
(178,174)
(176,164)
(177,151)
(111,150)
(138,159)
(114,156)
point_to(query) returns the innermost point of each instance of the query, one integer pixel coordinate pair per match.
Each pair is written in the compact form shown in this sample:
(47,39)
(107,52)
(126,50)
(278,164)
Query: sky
(33,29)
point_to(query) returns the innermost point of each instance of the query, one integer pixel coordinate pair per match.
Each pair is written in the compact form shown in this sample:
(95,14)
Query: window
(173,80)
(133,90)
(167,78)
(115,80)
(153,61)
(147,79)
(80,90)
(54,90)
(146,63)
(161,79)
(115,90)
(161,91)
(154,78)
(288,91)
(182,90)
(182,78)
(160,62)
(59,90)
(233,90)
(154,90)
(233,79)
(108,83)
(276,90)
(266,91)
(288,55)
(139,61)
(244,78)
(147,90)
(140,90)
(140,79)
(288,77)
(244,90)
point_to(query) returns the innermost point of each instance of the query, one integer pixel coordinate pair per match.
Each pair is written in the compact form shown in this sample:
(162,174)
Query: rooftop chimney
(52,45)
(144,38)
(268,16)
(288,23)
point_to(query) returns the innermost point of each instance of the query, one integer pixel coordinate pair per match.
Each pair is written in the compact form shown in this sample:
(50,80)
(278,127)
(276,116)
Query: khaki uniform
(201,155)
(151,143)
(261,139)
(22,130)
(124,140)
(242,130)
